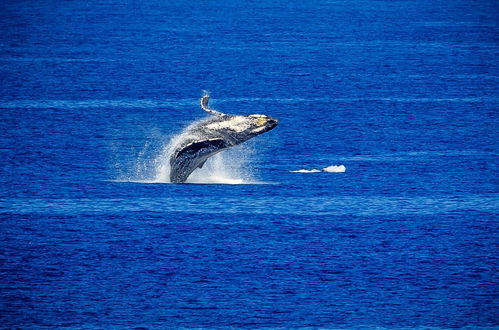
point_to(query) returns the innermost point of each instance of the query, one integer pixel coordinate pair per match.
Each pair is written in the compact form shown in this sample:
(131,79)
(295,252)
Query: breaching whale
(211,136)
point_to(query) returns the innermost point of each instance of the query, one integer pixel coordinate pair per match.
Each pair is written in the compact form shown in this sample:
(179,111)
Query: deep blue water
(402,93)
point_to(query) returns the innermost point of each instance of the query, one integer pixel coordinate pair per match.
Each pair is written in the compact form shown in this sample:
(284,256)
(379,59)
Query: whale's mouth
(271,123)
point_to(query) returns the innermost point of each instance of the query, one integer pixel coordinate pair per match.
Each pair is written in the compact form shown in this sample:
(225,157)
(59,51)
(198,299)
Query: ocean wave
(297,205)
(182,103)
(415,155)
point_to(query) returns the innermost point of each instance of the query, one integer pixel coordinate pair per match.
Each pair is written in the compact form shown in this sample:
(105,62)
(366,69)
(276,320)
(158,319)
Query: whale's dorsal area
(211,136)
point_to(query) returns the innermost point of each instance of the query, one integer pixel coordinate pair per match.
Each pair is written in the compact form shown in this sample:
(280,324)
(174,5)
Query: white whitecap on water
(306,171)
(335,169)
(329,169)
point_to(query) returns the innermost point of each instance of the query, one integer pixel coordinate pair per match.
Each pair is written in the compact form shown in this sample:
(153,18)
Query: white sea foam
(306,171)
(335,169)
(329,169)
(228,167)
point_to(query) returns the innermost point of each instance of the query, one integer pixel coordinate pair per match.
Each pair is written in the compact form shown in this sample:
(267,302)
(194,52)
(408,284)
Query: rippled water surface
(403,94)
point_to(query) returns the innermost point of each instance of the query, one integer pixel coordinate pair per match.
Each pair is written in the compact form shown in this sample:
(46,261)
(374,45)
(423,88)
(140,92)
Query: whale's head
(261,123)
(238,129)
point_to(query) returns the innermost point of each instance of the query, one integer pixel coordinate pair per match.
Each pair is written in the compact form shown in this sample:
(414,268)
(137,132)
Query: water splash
(329,169)
(228,167)
(231,166)
(335,169)
(306,171)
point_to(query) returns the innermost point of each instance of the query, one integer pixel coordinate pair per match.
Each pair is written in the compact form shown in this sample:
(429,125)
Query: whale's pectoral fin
(192,156)
(205,147)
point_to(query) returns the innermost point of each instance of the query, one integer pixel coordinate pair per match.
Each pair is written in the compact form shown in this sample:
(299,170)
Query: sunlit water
(373,203)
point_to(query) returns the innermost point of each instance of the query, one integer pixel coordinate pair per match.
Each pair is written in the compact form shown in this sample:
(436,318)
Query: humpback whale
(211,136)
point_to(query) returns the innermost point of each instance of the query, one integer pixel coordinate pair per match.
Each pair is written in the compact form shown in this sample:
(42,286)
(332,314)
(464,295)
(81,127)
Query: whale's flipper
(204,105)
(203,147)
(192,156)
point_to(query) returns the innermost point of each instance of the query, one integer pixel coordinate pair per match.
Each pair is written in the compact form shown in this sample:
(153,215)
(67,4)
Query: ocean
(399,98)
